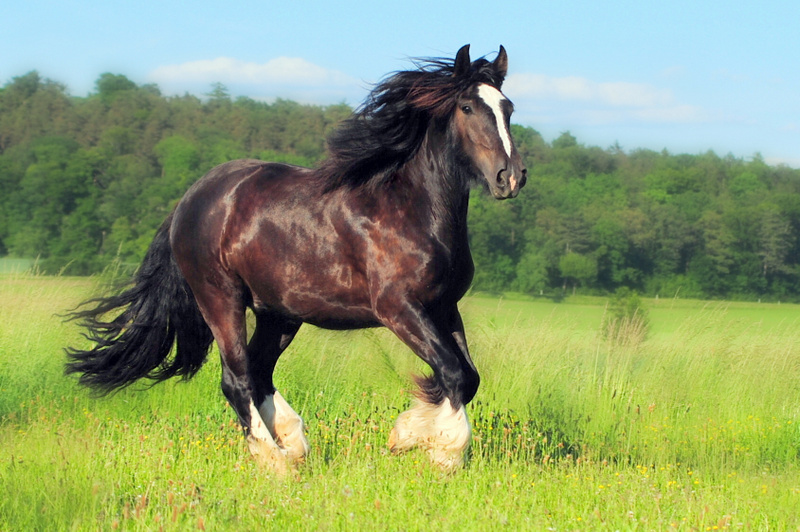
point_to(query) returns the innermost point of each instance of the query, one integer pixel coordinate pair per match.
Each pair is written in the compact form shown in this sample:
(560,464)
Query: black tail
(136,343)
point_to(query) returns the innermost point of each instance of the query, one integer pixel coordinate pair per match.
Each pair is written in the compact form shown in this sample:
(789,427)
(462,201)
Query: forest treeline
(87,180)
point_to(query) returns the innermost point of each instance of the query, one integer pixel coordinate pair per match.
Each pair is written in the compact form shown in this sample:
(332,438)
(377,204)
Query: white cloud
(673,114)
(791,162)
(293,71)
(581,101)
(573,88)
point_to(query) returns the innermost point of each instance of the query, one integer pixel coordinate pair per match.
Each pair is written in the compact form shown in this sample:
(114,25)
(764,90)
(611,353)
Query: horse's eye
(466,109)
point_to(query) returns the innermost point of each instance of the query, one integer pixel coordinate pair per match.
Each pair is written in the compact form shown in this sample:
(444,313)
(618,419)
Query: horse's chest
(425,273)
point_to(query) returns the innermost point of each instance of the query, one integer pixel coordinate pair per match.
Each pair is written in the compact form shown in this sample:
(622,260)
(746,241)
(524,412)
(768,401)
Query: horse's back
(230,182)
(226,176)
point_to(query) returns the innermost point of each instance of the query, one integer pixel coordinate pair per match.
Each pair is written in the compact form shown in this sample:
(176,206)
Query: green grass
(697,427)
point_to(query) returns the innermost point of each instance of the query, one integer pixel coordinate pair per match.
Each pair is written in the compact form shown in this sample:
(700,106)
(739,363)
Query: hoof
(268,456)
(285,426)
(294,445)
(403,435)
(448,460)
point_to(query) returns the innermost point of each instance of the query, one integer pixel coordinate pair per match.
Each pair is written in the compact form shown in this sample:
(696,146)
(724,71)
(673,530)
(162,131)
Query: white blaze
(493,98)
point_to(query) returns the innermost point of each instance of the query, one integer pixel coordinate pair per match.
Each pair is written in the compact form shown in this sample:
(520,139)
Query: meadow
(694,427)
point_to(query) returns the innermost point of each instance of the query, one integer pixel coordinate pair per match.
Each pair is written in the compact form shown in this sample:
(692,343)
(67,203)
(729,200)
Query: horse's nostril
(501,180)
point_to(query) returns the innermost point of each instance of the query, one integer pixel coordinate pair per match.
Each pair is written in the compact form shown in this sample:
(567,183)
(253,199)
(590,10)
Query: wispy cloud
(792,162)
(293,78)
(573,88)
(281,70)
(581,100)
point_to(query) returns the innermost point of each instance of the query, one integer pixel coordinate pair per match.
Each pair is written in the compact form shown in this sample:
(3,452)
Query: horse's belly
(330,311)
(321,312)
(327,301)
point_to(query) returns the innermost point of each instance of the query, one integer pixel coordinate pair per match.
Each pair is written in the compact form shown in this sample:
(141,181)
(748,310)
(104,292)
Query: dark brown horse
(375,236)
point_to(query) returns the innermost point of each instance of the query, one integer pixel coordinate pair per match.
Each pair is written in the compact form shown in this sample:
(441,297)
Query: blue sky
(686,76)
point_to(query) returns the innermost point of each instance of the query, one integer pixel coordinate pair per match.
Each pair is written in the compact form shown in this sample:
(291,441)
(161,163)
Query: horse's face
(481,121)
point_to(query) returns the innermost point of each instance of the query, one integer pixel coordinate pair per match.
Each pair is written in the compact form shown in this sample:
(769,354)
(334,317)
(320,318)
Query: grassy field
(695,428)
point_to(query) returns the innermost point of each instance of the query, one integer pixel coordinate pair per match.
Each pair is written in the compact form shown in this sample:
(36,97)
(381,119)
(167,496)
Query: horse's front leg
(456,329)
(437,421)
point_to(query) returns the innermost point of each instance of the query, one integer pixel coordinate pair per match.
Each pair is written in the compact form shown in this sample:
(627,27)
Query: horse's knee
(469,385)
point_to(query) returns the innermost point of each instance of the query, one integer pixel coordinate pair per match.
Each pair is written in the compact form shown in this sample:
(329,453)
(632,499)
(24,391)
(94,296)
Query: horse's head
(480,121)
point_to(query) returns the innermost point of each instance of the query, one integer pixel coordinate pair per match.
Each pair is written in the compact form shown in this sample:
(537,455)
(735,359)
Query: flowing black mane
(386,131)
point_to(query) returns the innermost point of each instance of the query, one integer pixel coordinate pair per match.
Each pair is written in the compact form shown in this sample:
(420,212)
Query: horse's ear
(462,63)
(501,63)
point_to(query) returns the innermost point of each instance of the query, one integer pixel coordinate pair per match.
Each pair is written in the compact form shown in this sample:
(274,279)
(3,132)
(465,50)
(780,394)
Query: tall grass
(695,427)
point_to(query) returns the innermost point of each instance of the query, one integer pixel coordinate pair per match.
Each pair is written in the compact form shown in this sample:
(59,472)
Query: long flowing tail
(156,309)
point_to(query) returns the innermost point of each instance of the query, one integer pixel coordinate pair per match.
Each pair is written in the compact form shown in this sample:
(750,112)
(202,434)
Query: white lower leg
(286,426)
(442,430)
(262,445)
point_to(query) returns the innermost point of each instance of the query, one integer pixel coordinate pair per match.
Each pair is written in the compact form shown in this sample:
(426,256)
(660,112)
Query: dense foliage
(88,180)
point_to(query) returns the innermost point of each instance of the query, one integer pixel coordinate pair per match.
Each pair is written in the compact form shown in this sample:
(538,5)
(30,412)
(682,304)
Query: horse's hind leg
(271,337)
(225,314)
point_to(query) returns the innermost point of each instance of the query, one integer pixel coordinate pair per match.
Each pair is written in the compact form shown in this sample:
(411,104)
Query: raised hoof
(442,431)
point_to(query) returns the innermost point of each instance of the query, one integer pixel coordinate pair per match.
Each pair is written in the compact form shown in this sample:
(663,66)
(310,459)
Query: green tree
(495,242)
(775,241)
(178,157)
(110,86)
(579,270)
(87,179)
(531,273)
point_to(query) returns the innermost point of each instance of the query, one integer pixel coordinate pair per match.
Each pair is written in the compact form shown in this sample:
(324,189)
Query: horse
(375,235)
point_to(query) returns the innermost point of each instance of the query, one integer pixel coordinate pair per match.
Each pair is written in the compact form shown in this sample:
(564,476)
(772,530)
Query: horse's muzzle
(509,182)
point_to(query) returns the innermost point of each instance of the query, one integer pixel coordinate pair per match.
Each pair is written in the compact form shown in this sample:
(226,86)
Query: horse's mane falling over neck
(388,129)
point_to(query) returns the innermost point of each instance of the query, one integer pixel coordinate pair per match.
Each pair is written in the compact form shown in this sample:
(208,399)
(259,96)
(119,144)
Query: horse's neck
(435,171)
(434,176)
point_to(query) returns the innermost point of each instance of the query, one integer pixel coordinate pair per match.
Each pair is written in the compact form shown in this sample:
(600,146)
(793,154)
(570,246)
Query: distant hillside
(87,180)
